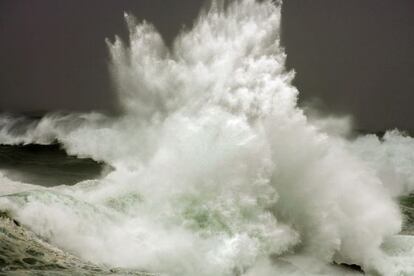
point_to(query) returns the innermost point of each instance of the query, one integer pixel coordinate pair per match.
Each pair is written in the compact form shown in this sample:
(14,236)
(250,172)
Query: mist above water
(216,169)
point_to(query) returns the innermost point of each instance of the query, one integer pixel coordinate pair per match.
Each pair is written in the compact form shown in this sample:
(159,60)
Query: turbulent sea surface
(23,252)
(211,169)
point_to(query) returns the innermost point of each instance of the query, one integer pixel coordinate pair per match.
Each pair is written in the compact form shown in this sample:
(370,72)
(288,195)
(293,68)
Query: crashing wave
(217,171)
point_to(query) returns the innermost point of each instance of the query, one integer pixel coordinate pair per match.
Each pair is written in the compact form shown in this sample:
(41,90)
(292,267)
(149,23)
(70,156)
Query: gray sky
(355,56)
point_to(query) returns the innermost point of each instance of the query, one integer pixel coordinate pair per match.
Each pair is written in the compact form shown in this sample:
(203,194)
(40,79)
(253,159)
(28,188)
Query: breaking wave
(216,170)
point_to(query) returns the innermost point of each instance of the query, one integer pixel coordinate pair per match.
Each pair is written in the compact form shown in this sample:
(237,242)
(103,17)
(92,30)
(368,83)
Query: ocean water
(23,252)
(211,169)
(46,165)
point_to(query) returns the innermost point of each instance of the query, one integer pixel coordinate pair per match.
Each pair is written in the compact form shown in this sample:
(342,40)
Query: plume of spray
(216,169)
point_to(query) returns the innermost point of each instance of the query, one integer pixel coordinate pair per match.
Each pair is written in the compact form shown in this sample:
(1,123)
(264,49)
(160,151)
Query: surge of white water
(216,169)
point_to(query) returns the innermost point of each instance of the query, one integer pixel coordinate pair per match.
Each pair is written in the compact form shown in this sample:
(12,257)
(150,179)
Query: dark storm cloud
(356,56)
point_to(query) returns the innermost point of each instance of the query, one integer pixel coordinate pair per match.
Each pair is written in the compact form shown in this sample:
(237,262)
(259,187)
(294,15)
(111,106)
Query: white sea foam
(217,171)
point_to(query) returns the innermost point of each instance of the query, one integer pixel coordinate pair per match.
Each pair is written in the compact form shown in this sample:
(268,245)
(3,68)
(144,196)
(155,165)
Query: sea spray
(217,171)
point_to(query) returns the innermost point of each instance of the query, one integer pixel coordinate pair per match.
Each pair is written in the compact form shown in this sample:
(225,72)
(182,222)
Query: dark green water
(46,165)
(407,208)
